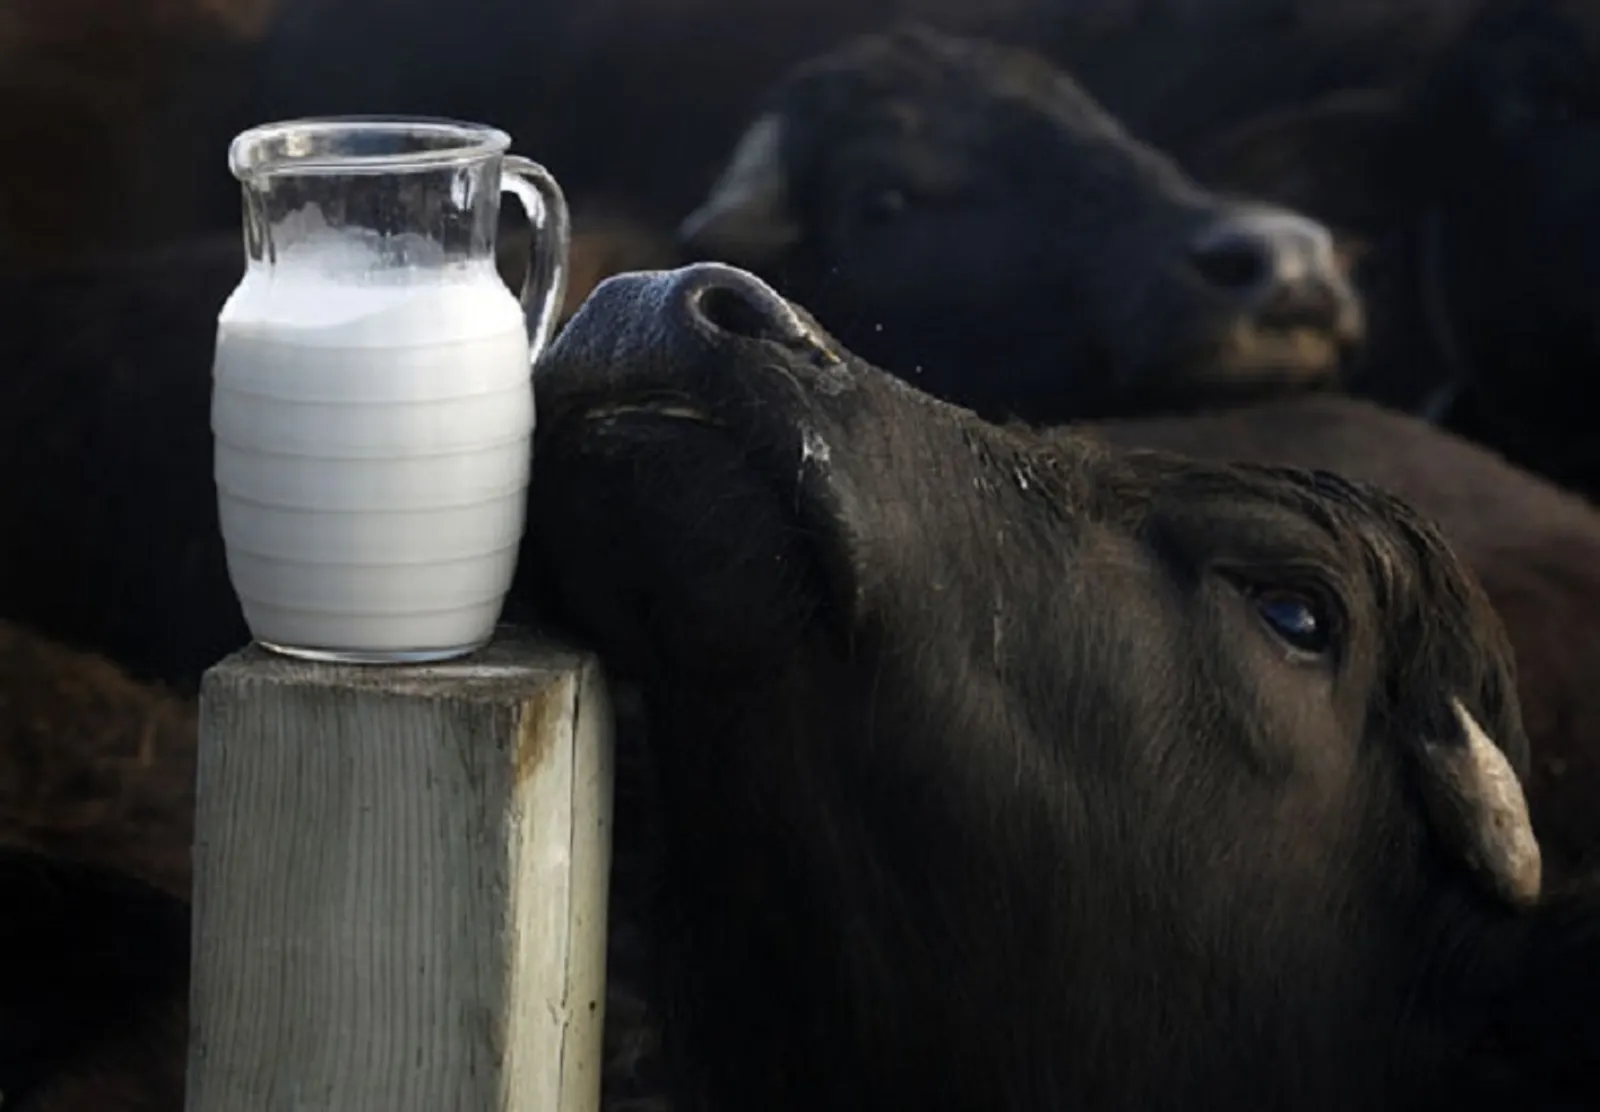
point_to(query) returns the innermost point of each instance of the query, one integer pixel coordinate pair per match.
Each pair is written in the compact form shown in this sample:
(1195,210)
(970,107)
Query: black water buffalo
(993,768)
(1477,183)
(999,770)
(967,217)
(1534,547)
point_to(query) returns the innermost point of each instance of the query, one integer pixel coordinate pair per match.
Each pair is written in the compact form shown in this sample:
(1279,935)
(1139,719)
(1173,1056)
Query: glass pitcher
(372,402)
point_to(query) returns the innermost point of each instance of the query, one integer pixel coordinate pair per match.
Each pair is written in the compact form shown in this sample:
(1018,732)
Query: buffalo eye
(1296,618)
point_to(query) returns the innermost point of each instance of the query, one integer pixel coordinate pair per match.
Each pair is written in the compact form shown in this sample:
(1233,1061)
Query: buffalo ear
(1329,159)
(746,219)
(1475,804)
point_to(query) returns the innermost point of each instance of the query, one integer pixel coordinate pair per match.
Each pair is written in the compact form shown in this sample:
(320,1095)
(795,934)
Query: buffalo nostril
(1277,267)
(1233,262)
(728,300)
(733,312)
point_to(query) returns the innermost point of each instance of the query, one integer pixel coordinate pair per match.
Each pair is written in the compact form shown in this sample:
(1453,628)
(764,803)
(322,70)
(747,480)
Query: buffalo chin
(1245,365)
(655,534)
(1305,353)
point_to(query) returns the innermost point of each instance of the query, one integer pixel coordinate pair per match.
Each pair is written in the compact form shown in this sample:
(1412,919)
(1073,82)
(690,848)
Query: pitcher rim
(477,141)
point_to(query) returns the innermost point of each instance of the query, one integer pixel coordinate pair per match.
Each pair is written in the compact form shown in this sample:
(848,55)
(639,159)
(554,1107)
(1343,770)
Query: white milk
(372,433)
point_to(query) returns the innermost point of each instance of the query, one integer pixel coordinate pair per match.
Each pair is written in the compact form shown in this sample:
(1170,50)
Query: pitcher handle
(544,289)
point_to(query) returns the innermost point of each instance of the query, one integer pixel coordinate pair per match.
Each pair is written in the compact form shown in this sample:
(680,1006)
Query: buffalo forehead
(1358,534)
(965,96)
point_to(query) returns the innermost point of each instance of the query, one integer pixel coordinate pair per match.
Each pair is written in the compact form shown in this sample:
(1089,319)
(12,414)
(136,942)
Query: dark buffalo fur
(966,216)
(1535,548)
(1476,182)
(94,766)
(96,815)
(982,784)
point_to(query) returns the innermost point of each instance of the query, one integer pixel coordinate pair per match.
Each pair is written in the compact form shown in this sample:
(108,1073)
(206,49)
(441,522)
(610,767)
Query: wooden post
(400,884)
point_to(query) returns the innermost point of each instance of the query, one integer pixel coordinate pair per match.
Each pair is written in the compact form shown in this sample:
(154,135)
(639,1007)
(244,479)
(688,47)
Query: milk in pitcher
(373,426)
(372,402)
